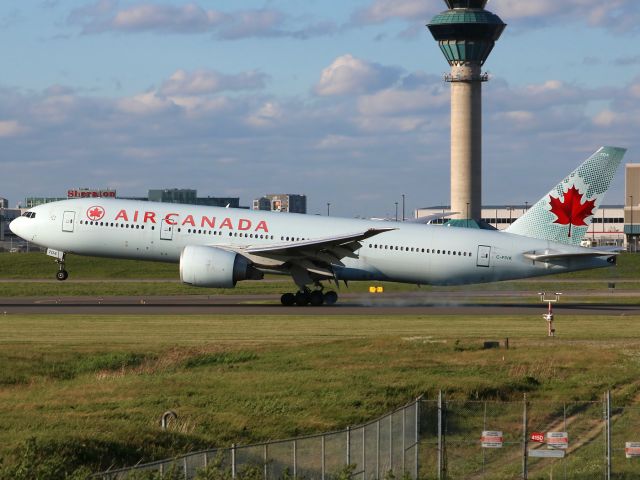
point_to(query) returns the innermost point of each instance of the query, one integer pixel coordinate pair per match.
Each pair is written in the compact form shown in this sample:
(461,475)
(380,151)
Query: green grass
(30,266)
(90,390)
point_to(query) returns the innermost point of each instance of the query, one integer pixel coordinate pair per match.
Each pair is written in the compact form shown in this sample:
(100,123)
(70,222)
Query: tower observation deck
(466,34)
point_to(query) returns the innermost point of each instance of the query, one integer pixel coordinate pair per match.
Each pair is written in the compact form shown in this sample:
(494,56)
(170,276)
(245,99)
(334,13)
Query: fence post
(440,435)
(391,442)
(608,430)
(524,439)
(417,438)
(364,453)
(323,457)
(295,459)
(266,461)
(233,460)
(377,449)
(348,445)
(184,468)
(404,435)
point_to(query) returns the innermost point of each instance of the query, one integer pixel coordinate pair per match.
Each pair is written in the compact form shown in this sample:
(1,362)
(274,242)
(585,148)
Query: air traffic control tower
(466,34)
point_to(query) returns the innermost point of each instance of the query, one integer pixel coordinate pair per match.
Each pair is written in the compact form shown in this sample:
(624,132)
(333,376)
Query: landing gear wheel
(302,299)
(62,275)
(330,298)
(288,299)
(316,298)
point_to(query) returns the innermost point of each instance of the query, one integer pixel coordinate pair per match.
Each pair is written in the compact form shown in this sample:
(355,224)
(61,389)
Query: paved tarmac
(443,303)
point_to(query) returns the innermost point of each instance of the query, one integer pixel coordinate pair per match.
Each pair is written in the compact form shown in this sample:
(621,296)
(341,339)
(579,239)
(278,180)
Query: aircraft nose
(17,226)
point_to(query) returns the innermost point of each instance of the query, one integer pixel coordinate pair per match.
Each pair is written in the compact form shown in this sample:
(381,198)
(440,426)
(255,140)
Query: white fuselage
(412,253)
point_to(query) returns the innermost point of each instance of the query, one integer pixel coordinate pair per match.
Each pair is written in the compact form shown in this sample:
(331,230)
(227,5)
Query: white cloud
(203,82)
(188,18)
(145,104)
(191,18)
(383,10)
(396,101)
(615,15)
(605,118)
(350,75)
(267,115)
(11,128)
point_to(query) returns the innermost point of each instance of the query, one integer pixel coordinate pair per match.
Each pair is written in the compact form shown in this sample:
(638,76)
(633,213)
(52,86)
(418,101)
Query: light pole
(467,214)
(631,233)
(328,209)
(396,211)
(403,207)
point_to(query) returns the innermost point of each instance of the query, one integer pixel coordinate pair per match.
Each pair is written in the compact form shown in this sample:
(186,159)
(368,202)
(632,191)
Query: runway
(449,303)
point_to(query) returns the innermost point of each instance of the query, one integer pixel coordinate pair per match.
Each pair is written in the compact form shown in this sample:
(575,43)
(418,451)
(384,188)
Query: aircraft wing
(543,257)
(309,257)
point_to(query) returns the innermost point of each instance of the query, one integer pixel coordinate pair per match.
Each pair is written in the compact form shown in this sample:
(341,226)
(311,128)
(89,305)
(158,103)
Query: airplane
(218,247)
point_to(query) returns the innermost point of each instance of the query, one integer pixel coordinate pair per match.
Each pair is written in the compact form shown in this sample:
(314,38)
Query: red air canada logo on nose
(95,213)
(570,210)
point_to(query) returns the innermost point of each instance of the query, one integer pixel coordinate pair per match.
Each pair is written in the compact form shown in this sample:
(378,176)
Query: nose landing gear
(62,274)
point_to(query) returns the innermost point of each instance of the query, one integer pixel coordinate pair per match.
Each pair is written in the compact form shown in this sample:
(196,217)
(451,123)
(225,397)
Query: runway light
(376,289)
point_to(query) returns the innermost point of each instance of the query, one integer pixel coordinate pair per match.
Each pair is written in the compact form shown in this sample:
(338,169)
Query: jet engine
(213,267)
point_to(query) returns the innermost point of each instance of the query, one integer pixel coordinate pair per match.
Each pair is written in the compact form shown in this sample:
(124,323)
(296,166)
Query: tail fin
(565,213)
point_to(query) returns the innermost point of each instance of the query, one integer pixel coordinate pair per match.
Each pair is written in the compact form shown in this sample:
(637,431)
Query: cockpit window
(29,214)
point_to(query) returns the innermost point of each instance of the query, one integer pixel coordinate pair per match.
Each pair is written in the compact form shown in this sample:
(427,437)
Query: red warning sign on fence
(558,440)
(632,449)
(537,437)
(491,439)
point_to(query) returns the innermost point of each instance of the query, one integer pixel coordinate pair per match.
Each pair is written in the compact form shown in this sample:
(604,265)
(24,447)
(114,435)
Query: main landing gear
(309,297)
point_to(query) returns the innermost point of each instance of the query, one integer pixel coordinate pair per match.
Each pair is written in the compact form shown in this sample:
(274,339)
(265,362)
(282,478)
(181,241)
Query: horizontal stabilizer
(543,257)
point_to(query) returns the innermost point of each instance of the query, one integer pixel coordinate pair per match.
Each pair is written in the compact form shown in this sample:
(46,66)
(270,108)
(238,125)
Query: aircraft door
(68,219)
(484,256)
(166,231)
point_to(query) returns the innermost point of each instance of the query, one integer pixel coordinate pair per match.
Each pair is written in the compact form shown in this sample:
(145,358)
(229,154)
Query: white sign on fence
(558,440)
(632,449)
(491,439)
(546,453)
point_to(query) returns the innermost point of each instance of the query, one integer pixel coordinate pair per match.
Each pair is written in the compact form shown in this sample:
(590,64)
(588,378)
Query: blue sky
(343,101)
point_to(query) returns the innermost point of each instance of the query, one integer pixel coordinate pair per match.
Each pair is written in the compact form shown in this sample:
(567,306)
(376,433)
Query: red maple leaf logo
(570,210)
(95,213)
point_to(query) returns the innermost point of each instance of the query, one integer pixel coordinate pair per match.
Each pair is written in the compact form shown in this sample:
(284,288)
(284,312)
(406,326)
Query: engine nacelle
(213,267)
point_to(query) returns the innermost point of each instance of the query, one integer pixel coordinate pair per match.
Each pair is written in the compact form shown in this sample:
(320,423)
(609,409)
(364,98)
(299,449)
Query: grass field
(87,392)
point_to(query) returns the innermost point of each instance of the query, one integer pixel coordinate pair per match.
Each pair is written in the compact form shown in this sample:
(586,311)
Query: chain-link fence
(442,439)
(529,440)
(384,448)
